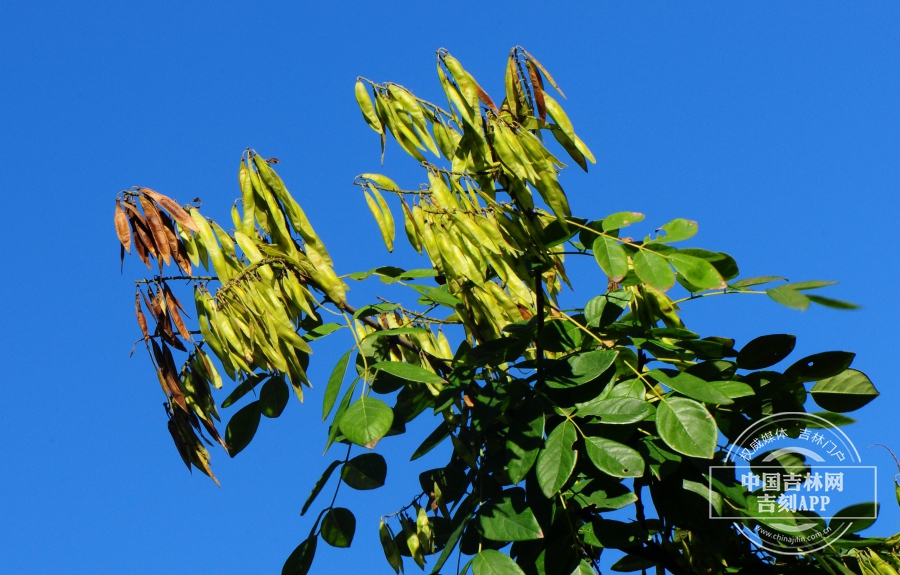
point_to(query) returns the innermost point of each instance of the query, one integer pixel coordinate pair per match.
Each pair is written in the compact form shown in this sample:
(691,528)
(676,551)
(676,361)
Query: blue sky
(775,125)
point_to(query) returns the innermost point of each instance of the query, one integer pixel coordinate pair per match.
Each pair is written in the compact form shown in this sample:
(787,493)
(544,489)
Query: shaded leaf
(366,471)
(242,427)
(766,351)
(847,391)
(273,397)
(300,560)
(820,366)
(320,483)
(338,527)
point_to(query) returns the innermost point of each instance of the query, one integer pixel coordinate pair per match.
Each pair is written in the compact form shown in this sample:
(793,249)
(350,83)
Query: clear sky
(773,124)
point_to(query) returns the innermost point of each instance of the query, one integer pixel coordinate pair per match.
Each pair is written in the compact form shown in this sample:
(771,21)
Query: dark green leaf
(832,419)
(691,386)
(580,368)
(584,568)
(687,427)
(755,281)
(631,563)
(338,527)
(491,562)
(766,351)
(611,257)
(811,284)
(558,335)
(788,297)
(506,517)
(697,271)
(317,488)
(244,388)
(556,460)
(366,471)
(833,303)
(366,421)
(820,366)
(678,229)
(301,559)
(334,384)
(434,439)
(616,410)
(242,428)
(654,269)
(408,372)
(613,458)
(847,391)
(620,220)
(524,440)
(854,518)
(585,237)
(273,397)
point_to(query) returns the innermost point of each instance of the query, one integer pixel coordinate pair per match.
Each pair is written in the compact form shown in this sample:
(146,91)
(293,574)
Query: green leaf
(491,562)
(605,309)
(755,281)
(788,297)
(321,331)
(691,386)
(437,295)
(434,439)
(580,368)
(334,384)
(556,460)
(366,421)
(506,517)
(366,471)
(845,392)
(408,372)
(613,458)
(390,548)
(766,351)
(338,527)
(244,388)
(698,272)
(620,220)
(854,518)
(611,257)
(833,419)
(678,229)
(524,440)
(734,389)
(616,410)
(724,263)
(654,269)
(242,428)
(300,560)
(320,483)
(832,303)
(583,568)
(273,397)
(820,366)
(810,284)
(631,563)
(687,427)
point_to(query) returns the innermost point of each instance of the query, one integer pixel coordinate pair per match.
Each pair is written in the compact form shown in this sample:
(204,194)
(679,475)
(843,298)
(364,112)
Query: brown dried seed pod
(141,318)
(171,206)
(122,228)
(154,222)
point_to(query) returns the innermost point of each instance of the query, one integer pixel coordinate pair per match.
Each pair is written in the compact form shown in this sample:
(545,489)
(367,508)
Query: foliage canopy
(556,416)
